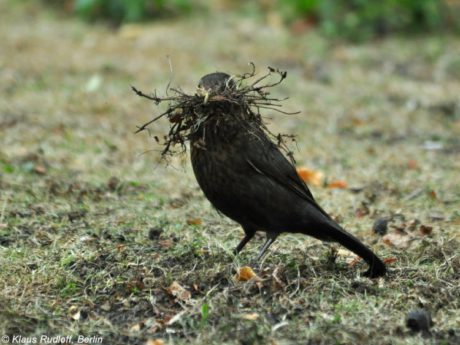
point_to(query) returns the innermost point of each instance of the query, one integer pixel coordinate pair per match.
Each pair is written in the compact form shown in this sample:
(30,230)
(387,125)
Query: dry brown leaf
(432,194)
(412,164)
(246,273)
(250,316)
(350,258)
(136,327)
(412,224)
(356,121)
(106,306)
(398,240)
(425,230)
(388,261)
(354,261)
(165,244)
(277,282)
(40,169)
(309,176)
(179,292)
(194,221)
(155,342)
(135,284)
(362,211)
(337,184)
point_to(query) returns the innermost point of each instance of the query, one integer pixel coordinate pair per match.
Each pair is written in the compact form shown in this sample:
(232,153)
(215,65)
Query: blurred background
(377,84)
(351,19)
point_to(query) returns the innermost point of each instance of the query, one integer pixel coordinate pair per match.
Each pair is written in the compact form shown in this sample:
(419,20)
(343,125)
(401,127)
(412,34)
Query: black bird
(247,178)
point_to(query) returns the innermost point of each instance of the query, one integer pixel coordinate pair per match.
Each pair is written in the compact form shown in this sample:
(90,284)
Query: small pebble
(380,226)
(419,320)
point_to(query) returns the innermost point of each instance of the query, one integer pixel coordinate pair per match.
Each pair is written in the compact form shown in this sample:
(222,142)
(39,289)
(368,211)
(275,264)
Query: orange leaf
(155,342)
(310,176)
(337,184)
(176,290)
(246,273)
(194,221)
(432,194)
(389,260)
(412,164)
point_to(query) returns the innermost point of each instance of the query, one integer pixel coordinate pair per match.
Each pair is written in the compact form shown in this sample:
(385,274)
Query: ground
(101,238)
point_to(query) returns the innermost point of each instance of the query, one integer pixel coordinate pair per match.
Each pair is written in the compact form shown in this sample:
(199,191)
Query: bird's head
(214,84)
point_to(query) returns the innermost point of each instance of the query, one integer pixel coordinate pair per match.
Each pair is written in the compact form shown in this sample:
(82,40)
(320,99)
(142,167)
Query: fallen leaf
(250,316)
(337,184)
(74,313)
(388,261)
(354,261)
(136,327)
(40,169)
(362,211)
(177,291)
(348,256)
(106,306)
(310,176)
(357,121)
(155,342)
(175,318)
(412,164)
(165,244)
(246,273)
(412,224)
(135,284)
(398,240)
(277,282)
(113,183)
(432,194)
(425,230)
(194,221)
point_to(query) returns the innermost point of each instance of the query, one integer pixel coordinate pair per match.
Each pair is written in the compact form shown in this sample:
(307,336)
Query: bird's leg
(248,235)
(270,239)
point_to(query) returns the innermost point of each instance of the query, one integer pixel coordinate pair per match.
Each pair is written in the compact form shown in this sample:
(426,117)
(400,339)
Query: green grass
(80,193)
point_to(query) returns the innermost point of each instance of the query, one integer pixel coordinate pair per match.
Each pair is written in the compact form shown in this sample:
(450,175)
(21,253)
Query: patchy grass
(94,228)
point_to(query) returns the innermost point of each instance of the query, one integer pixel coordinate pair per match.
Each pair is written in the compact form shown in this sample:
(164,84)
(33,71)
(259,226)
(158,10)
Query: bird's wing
(275,166)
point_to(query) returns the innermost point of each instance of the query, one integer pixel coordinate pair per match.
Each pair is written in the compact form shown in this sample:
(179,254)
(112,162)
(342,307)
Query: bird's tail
(376,266)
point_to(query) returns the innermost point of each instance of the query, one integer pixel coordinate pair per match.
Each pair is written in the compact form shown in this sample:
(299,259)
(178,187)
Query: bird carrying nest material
(239,166)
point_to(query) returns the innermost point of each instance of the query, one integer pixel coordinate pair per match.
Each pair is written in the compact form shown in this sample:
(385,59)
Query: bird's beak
(203,92)
(206,96)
